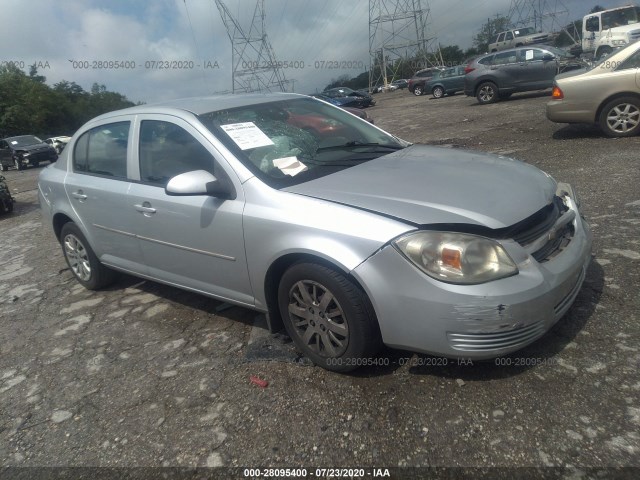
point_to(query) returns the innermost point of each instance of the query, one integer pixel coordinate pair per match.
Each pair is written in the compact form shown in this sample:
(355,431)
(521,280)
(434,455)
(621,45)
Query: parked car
(350,241)
(343,102)
(496,76)
(417,82)
(446,82)
(6,200)
(358,112)
(607,95)
(400,84)
(58,143)
(519,37)
(24,150)
(362,99)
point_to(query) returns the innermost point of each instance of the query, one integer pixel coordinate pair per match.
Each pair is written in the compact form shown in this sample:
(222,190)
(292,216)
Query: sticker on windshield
(247,135)
(528,55)
(290,165)
(14,142)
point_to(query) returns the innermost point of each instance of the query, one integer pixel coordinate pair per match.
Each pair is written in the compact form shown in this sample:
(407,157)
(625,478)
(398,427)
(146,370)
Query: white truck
(604,31)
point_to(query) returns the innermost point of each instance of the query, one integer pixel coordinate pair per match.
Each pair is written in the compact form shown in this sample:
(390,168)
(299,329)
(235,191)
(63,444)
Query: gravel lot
(146,375)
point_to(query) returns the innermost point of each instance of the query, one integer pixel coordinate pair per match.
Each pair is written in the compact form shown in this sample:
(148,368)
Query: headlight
(457,257)
(619,42)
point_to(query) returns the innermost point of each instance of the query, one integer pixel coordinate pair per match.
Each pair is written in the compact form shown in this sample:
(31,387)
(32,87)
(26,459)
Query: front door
(190,241)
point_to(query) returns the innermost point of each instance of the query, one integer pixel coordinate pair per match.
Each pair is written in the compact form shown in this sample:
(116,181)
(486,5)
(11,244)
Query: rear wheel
(438,92)
(327,316)
(83,263)
(621,117)
(417,91)
(487,93)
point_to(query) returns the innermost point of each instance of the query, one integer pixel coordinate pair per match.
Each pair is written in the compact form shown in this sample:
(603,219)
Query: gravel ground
(146,375)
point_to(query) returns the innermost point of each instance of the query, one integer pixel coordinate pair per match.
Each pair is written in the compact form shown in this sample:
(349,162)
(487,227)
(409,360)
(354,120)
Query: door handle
(145,208)
(79,195)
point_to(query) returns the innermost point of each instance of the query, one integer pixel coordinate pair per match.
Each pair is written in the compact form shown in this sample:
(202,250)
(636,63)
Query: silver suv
(496,76)
(519,37)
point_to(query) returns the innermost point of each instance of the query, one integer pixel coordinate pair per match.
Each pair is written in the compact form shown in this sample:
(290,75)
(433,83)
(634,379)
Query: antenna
(397,32)
(254,65)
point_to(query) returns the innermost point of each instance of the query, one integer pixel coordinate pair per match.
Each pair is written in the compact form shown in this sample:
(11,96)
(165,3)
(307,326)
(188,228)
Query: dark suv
(417,82)
(25,150)
(496,76)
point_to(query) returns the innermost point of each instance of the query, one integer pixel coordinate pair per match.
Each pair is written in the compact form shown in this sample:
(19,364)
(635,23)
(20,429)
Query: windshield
(620,17)
(289,142)
(23,141)
(524,31)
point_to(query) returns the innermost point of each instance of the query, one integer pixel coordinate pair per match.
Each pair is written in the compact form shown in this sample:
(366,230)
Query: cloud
(192,32)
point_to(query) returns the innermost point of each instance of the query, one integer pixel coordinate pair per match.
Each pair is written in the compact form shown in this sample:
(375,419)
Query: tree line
(29,106)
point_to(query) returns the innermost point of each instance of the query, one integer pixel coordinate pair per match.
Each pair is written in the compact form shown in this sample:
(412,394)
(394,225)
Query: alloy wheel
(318,319)
(623,118)
(486,93)
(78,257)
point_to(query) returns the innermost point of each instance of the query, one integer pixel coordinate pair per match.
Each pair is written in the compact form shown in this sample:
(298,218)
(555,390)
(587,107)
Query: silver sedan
(345,235)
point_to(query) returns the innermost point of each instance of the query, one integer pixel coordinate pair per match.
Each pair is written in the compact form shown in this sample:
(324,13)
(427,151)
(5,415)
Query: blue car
(446,82)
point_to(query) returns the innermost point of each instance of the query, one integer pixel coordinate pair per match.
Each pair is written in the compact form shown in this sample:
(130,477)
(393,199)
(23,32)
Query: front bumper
(418,313)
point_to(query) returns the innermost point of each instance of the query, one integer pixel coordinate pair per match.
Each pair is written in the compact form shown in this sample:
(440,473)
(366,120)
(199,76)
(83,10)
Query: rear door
(536,73)
(97,187)
(191,241)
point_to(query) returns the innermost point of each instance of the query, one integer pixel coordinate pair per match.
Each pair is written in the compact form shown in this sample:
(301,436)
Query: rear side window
(504,58)
(486,60)
(632,62)
(167,150)
(103,151)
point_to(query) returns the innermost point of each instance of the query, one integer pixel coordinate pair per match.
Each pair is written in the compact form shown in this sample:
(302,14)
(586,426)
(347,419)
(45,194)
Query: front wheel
(487,93)
(328,317)
(2,167)
(438,92)
(621,117)
(18,164)
(417,91)
(84,264)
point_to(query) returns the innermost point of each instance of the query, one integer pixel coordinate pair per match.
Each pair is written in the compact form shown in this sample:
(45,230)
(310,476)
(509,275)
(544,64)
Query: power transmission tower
(397,31)
(253,61)
(545,15)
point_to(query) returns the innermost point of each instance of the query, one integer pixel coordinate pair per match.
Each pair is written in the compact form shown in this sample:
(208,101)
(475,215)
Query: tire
(621,117)
(339,342)
(83,263)
(418,90)
(2,167)
(18,164)
(438,92)
(487,93)
(35,164)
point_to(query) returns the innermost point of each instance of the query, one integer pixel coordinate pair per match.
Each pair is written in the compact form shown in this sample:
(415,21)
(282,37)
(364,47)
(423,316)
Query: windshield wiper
(358,144)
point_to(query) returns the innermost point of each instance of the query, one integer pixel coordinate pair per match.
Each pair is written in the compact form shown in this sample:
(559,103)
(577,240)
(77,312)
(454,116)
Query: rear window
(486,60)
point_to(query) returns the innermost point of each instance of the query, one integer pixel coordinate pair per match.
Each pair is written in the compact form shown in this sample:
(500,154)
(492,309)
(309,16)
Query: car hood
(429,185)
(31,148)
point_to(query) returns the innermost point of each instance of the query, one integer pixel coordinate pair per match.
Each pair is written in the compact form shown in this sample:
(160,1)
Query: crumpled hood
(32,148)
(430,185)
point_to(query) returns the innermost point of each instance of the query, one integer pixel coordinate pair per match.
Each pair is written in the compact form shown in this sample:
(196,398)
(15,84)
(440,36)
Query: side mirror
(548,57)
(200,182)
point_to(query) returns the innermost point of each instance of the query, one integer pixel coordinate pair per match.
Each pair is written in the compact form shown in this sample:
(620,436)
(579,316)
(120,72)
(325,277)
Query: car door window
(632,62)
(509,36)
(501,37)
(504,58)
(532,55)
(167,150)
(103,151)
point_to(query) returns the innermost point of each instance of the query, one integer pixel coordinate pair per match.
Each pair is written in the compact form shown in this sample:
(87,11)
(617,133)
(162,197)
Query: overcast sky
(55,32)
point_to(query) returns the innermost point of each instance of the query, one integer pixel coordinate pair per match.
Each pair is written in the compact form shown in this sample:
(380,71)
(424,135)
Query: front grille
(479,342)
(539,223)
(42,155)
(555,245)
(635,35)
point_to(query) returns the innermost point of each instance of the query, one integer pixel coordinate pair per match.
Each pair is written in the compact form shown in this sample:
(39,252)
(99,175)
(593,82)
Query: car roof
(201,105)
